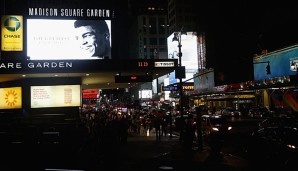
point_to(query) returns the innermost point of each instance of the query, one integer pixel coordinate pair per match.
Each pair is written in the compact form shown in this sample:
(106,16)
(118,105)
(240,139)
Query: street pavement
(138,153)
(144,153)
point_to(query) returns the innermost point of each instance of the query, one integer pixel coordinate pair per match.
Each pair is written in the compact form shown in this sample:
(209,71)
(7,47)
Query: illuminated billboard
(189,51)
(204,81)
(145,94)
(11,98)
(55,96)
(11,33)
(90,94)
(282,63)
(49,39)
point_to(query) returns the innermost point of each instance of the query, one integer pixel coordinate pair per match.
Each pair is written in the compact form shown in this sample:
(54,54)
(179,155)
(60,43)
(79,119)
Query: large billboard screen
(204,82)
(55,96)
(189,50)
(49,39)
(282,63)
(11,98)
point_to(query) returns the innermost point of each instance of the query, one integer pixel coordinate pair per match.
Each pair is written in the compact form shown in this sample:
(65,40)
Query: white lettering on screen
(43,11)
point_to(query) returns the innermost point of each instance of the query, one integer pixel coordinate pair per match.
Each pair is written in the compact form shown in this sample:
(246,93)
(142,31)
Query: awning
(227,97)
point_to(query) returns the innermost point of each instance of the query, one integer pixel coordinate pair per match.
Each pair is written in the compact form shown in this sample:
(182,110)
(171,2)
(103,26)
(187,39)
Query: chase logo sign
(12,24)
(12,33)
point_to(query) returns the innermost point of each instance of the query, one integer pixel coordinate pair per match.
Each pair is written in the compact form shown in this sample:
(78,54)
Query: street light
(180,71)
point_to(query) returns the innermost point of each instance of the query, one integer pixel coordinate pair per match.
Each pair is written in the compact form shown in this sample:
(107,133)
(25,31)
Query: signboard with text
(55,96)
(90,94)
(12,33)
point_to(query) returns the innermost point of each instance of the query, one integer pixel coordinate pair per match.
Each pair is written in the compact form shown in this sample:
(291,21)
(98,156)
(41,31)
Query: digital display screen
(189,57)
(49,39)
(145,94)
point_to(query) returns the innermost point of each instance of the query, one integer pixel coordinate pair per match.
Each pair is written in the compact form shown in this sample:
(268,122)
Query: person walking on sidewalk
(157,123)
(189,133)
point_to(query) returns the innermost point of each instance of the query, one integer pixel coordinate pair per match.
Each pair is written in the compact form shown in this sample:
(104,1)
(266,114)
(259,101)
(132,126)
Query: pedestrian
(189,133)
(157,124)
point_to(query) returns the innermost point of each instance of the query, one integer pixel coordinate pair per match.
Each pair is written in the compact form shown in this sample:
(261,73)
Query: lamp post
(180,72)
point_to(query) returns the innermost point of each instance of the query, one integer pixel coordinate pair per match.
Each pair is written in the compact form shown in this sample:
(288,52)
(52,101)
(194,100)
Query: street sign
(170,88)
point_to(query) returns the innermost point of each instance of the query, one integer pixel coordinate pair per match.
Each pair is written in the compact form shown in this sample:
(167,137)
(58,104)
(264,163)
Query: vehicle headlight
(291,146)
(215,129)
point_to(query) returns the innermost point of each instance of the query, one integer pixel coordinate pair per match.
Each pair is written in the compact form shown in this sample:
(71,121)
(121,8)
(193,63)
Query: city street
(139,153)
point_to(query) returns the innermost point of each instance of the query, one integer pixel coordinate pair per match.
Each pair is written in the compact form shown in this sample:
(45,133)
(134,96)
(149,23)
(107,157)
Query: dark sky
(264,25)
(237,30)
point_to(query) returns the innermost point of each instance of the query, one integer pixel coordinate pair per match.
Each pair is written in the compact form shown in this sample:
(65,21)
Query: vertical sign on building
(11,33)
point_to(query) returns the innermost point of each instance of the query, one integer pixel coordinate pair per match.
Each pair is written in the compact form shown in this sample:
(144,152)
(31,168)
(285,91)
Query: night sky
(268,25)
(235,31)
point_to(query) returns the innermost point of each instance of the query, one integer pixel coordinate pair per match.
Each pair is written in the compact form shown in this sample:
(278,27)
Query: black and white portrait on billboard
(50,39)
(94,38)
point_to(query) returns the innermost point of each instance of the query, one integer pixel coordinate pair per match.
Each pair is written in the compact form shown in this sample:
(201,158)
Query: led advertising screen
(11,98)
(145,94)
(49,39)
(282,63)
(189,50)
(55,96)
(204,82)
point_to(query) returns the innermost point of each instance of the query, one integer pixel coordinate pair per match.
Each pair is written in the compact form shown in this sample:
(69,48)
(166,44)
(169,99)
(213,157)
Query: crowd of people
(113,126)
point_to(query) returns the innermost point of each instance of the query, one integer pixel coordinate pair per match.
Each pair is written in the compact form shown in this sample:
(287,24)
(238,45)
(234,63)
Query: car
(260,112)
(215,129)
(274,147)
(278,121)
(230,111)
(214,124)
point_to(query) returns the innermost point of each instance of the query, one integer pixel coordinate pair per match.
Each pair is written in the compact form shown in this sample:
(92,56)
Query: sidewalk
(169,154)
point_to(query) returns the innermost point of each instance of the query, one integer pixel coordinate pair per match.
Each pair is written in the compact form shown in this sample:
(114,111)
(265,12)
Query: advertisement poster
(49,39)
(55,96)
(11,33)
(11,98)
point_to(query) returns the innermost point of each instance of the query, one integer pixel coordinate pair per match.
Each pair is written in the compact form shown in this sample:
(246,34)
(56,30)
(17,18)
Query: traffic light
(268,69)
(180,72)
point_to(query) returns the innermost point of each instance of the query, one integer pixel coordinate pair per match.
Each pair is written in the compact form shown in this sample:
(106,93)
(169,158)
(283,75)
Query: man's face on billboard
(86,36)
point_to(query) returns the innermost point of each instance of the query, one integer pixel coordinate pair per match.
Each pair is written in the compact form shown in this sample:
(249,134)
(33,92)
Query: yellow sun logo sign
(11,98)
